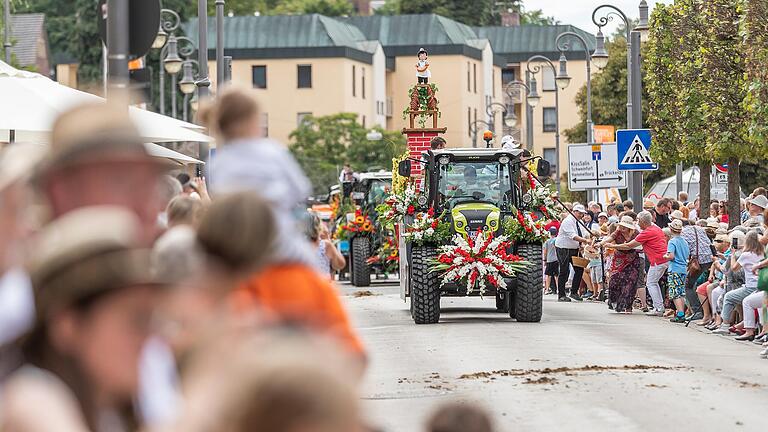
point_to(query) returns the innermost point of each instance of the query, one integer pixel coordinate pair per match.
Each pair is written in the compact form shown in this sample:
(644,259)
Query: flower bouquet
(398,205)
(387,256)
(477,262)
(542,199)
(526,227)
(359,223)
(426,228)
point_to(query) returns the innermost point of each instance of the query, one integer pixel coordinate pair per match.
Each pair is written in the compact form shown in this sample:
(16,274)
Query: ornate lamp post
(634,85)
(562,80)
(507,115)
(563,46)
(188,85)
(511,119)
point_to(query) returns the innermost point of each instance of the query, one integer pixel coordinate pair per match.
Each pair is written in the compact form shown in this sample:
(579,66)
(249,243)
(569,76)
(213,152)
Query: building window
(548,79)
(304,76)
(550,119)
(259,76)
(469,121)
(550,155)
(362,79)
(301,118)
(469,78)
(363,121)
(474,77)
(354,81)
(507,76)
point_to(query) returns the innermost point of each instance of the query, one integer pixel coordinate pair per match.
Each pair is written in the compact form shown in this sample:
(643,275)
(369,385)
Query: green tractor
(366,192)
(476,189)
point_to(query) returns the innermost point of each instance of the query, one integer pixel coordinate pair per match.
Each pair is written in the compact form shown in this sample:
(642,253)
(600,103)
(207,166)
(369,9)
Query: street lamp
(534,98)
(160,38)
(563,46)
(511,119)
(172,61)
(600,56)
(507,115)
(562,79)
(634,108)
(187,83)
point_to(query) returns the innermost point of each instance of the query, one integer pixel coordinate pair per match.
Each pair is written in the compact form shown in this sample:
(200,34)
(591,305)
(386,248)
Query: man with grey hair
(654,244)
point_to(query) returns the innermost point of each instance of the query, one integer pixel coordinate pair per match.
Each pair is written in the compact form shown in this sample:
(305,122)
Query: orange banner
(603,134)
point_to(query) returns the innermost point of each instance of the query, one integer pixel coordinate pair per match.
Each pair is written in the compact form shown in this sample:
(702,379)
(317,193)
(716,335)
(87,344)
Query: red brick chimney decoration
(422,107)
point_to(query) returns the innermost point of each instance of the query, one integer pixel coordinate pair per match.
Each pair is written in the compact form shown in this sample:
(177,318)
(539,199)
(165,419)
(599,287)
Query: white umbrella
(668,187)
(30,103)
(159,151)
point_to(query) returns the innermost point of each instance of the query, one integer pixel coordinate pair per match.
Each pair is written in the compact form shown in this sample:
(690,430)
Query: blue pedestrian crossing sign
(634,147)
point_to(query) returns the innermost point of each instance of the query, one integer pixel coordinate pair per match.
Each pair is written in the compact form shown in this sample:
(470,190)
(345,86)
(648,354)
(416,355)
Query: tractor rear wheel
(360,251)
(529,295)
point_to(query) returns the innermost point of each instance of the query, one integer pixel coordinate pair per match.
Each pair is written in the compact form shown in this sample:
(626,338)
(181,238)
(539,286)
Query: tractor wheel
(360,251)
(529,296)
(425,286)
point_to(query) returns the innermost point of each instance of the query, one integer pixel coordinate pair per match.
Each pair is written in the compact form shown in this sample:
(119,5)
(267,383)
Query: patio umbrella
(30,103)
(159,151)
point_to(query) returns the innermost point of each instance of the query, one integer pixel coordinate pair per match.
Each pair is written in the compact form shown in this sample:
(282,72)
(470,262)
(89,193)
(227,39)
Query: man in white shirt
(569,238)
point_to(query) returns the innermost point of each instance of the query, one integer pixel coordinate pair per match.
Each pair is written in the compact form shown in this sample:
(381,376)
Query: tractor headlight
(444,160)
(504,159)
(422,200)
(493,223)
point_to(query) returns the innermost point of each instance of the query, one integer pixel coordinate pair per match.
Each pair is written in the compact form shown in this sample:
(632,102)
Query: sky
(579,12)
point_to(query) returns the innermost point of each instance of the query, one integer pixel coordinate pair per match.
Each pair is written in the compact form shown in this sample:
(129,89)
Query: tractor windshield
(464,181)
(380,189)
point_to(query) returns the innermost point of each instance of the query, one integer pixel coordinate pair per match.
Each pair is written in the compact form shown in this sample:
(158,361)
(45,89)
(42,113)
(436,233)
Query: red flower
(434,224)
(533,216)
(431,212)
(492,280)
(411,209)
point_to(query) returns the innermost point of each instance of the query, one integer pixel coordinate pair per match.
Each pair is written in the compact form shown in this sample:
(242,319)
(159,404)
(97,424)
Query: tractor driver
(471,185)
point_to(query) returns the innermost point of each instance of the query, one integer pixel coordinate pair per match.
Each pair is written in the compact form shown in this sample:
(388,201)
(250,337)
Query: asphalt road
(582,368)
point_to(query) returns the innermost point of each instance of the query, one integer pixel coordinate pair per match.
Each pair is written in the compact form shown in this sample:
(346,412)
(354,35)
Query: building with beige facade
(312,64)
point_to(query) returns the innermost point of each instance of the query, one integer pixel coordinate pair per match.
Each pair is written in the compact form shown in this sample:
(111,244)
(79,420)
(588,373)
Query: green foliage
(609,94)
(323,144)
(755,32)
(536,17)
(322,7)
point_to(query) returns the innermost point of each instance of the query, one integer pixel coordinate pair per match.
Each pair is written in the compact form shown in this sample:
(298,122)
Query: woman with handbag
(625,268)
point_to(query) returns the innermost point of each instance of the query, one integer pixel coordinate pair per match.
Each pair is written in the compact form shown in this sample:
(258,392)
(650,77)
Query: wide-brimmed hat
(627,222)
(603,214)
(739,235)
(648,204)
(84,253)
(676,226)
(712,225)
(676,214)
(722,238)
(760,201)
(579,208)
(96,133)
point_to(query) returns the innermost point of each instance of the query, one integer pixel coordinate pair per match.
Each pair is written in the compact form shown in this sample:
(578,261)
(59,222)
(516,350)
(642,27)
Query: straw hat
(648,204)
(676,226)
(95,133)
(86,252)
(722,238)
(760,201)
(676,214)
(627,222)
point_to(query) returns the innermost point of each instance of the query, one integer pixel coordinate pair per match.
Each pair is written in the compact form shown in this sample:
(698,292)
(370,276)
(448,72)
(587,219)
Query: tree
(536,17)
(322,7)
(322,145)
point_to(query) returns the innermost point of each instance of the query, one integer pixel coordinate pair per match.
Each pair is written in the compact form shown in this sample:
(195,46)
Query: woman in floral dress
(625,267)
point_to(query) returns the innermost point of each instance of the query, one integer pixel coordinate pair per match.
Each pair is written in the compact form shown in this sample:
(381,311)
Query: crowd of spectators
(132,299)
(669,259)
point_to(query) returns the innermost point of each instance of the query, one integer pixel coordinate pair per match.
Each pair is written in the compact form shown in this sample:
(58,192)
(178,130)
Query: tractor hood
(470,217)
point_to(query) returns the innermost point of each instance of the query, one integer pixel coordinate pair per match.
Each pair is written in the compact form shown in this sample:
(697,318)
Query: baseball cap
(579,208)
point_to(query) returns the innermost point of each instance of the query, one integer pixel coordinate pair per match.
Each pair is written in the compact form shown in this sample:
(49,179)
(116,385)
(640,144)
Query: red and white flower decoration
(398,205)
(428,228)
(478,262)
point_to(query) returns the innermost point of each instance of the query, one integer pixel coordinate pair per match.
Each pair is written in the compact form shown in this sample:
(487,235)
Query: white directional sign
(721,178)
(594,167)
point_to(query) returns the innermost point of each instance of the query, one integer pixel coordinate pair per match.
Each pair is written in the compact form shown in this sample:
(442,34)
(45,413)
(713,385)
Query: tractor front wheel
(360,251)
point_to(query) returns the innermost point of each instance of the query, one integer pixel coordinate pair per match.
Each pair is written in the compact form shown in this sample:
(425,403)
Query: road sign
(634,147)
(585,171)
(721,178)
(723,168)
(603,134)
